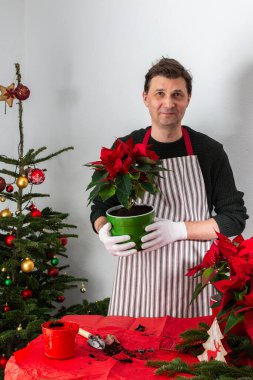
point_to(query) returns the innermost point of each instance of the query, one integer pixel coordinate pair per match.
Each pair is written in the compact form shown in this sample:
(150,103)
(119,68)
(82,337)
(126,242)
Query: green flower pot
(134,226)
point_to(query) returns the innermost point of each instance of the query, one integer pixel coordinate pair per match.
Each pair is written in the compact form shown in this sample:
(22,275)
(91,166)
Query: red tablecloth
(157,341)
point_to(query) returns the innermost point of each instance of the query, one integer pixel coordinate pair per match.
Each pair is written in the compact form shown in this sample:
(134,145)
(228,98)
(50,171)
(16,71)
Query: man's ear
(144,97)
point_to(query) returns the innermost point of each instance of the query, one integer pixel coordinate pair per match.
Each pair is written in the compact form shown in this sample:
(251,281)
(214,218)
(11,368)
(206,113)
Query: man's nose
(169,102)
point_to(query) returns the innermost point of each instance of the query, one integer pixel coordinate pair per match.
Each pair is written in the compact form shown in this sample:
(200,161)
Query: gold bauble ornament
(5,213)
(3,198)
(27,265)
(19,328)
(22,182)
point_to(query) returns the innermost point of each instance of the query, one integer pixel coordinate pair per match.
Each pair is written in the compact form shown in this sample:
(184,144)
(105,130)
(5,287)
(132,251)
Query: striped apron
(153,284)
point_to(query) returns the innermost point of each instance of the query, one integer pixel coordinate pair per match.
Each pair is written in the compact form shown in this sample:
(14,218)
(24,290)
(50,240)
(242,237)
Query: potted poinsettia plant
(126,171)
(228,265)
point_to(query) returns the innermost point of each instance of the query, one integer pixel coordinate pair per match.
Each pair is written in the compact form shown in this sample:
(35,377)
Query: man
(200,181)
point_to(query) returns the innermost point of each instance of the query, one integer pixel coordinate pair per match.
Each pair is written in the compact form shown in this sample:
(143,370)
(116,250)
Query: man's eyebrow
(175,90)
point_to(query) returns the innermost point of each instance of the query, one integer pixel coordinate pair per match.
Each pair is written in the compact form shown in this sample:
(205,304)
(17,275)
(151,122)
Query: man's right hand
(115,244)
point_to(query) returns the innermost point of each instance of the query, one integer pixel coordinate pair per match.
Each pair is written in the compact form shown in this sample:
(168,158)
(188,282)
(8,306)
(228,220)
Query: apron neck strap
(187,141)
(186,138)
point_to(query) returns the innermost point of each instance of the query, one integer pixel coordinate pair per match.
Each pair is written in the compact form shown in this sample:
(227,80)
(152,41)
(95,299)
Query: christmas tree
(32,242)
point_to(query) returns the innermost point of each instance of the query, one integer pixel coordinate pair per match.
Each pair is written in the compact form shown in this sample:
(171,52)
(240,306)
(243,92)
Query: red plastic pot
(59,339)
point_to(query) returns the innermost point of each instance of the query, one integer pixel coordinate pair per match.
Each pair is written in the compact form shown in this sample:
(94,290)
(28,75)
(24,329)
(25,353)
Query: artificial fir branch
(192,340)
(212,370)
(9,172)
(97,308)
(28,197)
(52,155)
(8,160)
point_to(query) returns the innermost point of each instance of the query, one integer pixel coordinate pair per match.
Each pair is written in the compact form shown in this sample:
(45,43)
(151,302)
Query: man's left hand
(161,233)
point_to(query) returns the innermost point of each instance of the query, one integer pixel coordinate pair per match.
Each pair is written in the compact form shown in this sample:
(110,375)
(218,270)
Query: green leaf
(233,320)
(94,193)
(97,177)
(149,187)
(146,160)
(197,291)
(240,295)
(134,176)
(143,168)
(207,275)
(107,191)
(124,187)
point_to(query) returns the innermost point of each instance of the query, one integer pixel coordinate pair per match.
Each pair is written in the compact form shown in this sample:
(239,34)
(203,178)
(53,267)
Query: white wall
(85,62)
(12,49)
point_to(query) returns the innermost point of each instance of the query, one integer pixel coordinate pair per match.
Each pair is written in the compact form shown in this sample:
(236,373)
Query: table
(157,341)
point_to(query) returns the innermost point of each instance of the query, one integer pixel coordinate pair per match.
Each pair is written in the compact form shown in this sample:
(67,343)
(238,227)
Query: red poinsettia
(228,265)
(126,171)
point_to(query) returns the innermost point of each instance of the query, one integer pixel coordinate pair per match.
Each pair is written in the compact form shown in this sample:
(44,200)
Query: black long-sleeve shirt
(225,202)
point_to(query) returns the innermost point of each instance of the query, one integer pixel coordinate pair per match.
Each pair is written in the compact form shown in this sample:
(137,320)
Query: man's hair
(169,68)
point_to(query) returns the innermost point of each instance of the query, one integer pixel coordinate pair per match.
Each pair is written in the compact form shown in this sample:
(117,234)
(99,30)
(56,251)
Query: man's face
(166,100)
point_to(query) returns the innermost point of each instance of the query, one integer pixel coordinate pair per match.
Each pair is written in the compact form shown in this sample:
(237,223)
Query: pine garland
(192,340)
(213,370)
(192,344)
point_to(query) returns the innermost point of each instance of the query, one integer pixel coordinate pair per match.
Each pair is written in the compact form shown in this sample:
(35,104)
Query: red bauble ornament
(9,240)
(6,308)
(22,92)
(35,213)
(60,298)
(63,240)
(27,293)
(31,207)
(36,176)
(3,362)
(2,183)
(9,188)
(53,272)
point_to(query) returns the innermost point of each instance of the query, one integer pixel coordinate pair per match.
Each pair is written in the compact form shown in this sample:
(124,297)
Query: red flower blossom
(211,257)
(228,265)
(127,170)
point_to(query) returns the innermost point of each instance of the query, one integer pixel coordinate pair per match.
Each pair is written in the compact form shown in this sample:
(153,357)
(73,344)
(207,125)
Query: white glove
(112,245)
(163,232)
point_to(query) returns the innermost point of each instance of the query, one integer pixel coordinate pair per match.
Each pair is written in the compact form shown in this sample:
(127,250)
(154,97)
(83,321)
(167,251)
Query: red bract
(124,148)
(211,258)
(227,247)
(235,283)
(141,150)
(245,250)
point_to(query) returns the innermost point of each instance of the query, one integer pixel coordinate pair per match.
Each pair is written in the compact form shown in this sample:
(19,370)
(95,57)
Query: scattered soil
(116,348)
(140,328)
(55,325)
(133,211)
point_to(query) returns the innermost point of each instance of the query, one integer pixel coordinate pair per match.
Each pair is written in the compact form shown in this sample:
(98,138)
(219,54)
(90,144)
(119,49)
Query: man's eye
(160,93)
(178,94)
